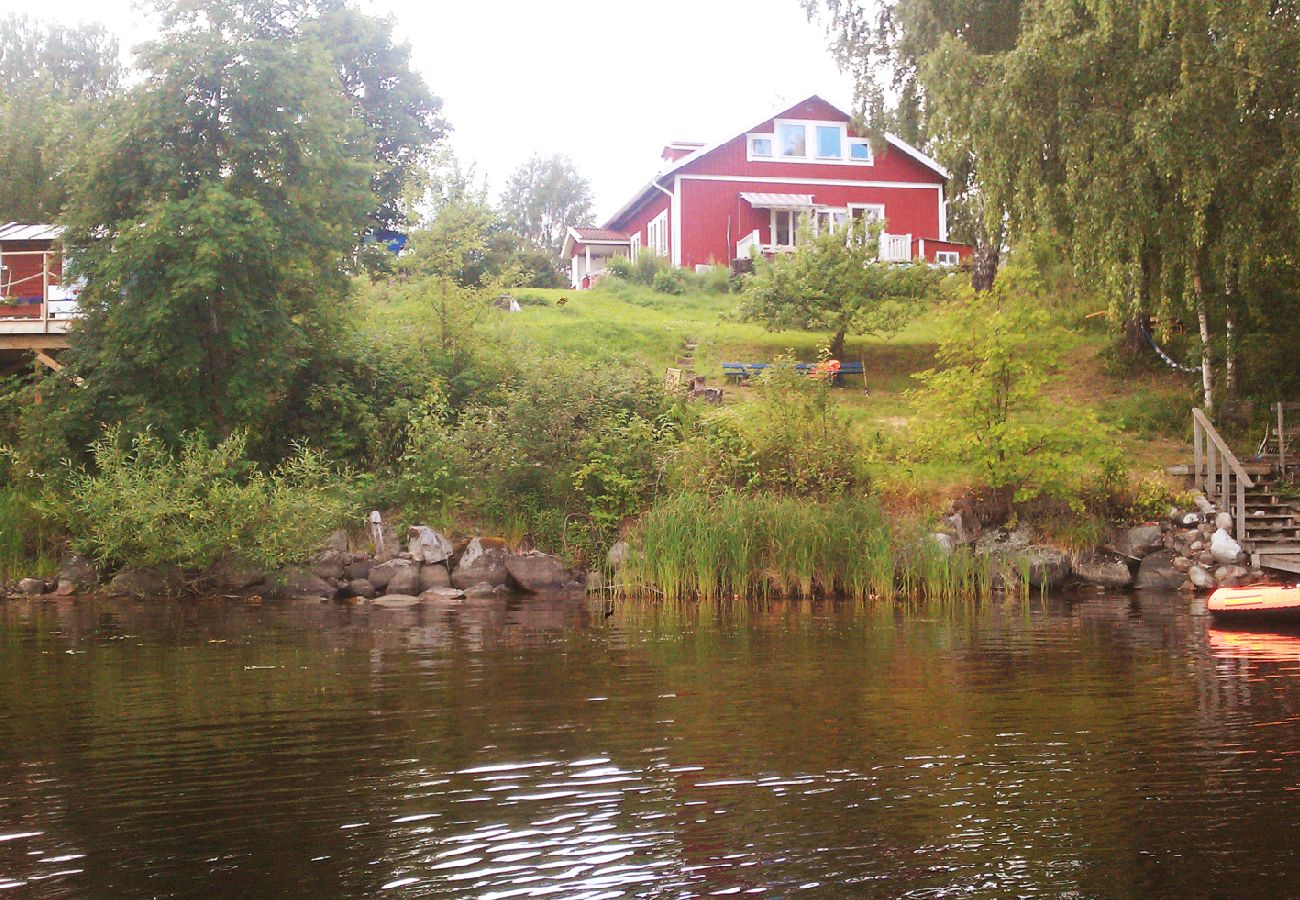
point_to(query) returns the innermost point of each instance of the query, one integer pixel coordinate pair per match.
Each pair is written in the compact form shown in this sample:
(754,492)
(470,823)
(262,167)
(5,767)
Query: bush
(671,281)
(791,440)
(145,506)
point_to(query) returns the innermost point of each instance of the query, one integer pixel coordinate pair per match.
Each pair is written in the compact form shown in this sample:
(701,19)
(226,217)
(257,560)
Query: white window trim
(810,156)
(947,258)
(657,234)
(831,211)
(634,246)
(877,208)
(795,216)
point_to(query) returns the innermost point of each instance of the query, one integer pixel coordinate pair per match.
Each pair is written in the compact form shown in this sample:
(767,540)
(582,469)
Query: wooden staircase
(1267,524)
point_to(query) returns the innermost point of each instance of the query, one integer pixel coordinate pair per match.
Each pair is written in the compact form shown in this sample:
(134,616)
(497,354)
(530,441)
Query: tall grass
(28,547)
(693,545)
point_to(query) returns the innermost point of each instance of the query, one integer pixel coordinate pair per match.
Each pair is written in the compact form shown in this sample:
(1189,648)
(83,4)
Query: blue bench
(740,372)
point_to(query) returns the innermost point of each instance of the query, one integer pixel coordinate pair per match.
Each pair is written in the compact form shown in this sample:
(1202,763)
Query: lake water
(1086,746)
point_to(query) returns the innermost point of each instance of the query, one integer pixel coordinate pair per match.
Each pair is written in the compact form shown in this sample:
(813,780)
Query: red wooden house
(713,204)
(30,269)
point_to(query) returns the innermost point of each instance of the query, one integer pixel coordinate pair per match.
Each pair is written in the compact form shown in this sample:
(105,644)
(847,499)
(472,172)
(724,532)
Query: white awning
(778,201)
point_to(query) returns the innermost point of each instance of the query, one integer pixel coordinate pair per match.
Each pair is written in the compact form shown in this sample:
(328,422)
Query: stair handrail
(1220,468)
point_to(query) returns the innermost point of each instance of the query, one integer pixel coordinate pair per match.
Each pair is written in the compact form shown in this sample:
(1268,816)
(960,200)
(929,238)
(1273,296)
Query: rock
(405,580)
(427,546)
(232,574)
(1182,564)
(32,587)
(388,545)
(1224,548)
(482,589)
(1232,576)
(383,573)
(396,601)
(1139,541)
(1223,522)
(484,561)
(444,593)
(574,587)
(1205,529)
(80,572)
(536,572)
(301,583)
(1048,566)
(1198,576)
(616,556)
(1205,558)
(945,542)
(1196,546)
(1203,504)
(1188,519)
(434,576)
(1157,572)
(144,583)
(1104,569)
(361,587)
(64,588)
(329,564)
(337,541)
(358,568)
(595,582)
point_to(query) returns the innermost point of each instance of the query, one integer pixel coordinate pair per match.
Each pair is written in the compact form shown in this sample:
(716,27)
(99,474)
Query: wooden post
(1212,473)
(1197,456)
(1281,439)
(45,292)
(1241,511)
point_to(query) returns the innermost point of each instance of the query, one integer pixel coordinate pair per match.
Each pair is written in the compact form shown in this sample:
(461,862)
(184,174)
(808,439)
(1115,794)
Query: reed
(693,545)
(27,546)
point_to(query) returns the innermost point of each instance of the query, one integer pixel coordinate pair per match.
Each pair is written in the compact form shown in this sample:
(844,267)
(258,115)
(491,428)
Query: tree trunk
(985,264)
(1232,355)
(1203,321)
(837,345)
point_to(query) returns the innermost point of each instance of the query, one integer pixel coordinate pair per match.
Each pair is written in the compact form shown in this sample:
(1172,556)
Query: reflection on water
(1101,746)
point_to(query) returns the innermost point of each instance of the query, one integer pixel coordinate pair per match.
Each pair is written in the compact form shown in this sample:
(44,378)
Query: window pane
(762,147)
(783,228)
(828,142)
(859,151)
(792,140)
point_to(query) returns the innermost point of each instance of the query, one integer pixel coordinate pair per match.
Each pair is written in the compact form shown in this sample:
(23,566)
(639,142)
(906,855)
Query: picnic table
(739,372)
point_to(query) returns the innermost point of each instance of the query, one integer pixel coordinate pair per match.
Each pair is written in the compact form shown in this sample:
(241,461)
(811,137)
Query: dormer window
(830,142)
(859,150)
(792,140)
(760,146)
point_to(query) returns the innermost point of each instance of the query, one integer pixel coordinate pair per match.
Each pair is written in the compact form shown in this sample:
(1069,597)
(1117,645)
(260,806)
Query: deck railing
(746,245)
(1218,472)
(895,247)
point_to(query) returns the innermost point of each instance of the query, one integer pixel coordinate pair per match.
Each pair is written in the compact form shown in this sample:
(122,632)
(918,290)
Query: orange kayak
(1258,602)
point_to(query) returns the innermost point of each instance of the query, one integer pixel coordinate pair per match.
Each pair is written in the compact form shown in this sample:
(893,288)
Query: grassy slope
(641,327)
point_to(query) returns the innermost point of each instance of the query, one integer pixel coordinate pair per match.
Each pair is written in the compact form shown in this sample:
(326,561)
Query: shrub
(144,505)
(670,281)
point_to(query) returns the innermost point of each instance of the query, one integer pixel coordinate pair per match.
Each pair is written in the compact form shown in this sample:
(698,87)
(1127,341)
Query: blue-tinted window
(792,140)
(761,147)
(859,150)
(828,142)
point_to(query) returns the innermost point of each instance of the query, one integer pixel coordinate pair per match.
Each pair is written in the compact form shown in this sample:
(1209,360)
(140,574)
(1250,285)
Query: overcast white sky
(607,82)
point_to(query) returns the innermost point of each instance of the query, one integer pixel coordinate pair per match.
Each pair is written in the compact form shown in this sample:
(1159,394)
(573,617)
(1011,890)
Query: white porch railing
(746,245)
(895,247)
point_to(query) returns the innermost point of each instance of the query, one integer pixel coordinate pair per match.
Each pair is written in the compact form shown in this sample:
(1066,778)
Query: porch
(894,248)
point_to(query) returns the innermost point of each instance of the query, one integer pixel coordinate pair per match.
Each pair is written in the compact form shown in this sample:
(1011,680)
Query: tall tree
(50,78)
(214,218)
(544,198)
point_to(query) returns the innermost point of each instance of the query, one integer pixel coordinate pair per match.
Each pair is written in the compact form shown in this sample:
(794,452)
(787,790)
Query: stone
(329,564)
(1139,541)
(484,561)
(447,593)
(536,571)
(1157,572)
(32,587)
(144,583)
(1189,520)
(1205,558)
(1103,569)
(616,556)
(361,587)
(383,573)
(301,583)
(945,542)
(1206,529)
(1196,546)
(1224,548)
(405,580)
(1048,566)
(396,601)
(1233,573)
(1182,564)
(482,589)
(1223,522)
(358,568)
(232,574)
(574,587)
(79,571)
(427,546)
(337,541)
(595,582)
(1198,576)
(64,588)
(1203,504)
(434,576)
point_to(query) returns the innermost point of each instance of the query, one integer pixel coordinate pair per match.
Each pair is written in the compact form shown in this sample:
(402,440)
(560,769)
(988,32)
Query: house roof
(598,234)
(706,149)
(20,231)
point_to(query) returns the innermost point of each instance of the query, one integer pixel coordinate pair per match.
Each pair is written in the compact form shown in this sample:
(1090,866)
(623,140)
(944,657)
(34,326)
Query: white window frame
(840,131)
(657,234)
(830,212)
(947,258)
(634,246)
(810,156)
(793,216)
(749,142)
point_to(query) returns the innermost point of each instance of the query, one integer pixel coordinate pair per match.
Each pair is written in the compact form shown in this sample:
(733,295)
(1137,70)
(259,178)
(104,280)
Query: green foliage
(142,505)
(986,405)
(670,281)
(29,546)
(645,269)
(790,440)
(543,198)
(836,283)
